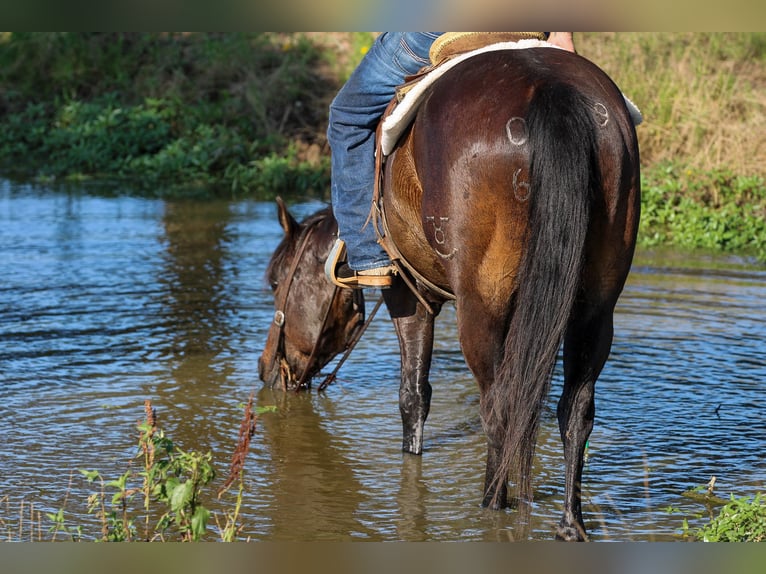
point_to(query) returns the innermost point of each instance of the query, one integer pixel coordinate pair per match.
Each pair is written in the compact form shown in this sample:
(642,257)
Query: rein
(352,343)
(312,357)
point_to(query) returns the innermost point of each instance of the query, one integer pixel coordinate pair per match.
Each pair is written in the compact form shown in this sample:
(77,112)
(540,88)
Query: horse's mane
(290,241)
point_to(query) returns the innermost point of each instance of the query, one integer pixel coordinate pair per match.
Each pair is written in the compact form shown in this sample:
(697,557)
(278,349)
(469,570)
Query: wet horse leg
(415,329)
(586,347)
(481,340)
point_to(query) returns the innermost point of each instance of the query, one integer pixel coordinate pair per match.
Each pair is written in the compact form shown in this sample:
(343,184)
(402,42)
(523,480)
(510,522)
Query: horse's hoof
(574,533)
(499,502)
(412,448)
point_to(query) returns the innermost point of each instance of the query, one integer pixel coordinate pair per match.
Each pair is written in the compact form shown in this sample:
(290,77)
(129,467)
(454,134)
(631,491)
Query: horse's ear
(286,220)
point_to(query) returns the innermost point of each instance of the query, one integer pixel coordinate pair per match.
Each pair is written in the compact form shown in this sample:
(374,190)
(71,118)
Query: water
(106,301)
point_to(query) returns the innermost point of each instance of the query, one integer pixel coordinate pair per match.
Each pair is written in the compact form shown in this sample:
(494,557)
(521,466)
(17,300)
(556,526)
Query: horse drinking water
(515,192)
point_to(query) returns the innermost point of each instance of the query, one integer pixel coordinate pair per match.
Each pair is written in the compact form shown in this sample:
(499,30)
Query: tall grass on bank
(214,107)
(703,95)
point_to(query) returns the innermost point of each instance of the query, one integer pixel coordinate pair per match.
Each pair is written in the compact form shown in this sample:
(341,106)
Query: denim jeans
(354,116)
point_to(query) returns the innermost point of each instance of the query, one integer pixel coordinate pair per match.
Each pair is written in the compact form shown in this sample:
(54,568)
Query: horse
(309,340)
(515,193)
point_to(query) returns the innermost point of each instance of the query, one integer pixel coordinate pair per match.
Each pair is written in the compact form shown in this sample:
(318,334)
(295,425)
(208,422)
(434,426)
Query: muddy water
(106,301)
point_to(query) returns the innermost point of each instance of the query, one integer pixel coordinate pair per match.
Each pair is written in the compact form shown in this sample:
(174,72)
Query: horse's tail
(563,172)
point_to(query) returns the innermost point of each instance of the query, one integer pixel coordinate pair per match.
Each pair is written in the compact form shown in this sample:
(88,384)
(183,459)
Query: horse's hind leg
(415,329)
(481,337)
(586,347)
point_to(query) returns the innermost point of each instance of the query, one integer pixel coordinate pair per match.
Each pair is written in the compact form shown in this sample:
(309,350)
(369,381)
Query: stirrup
(334,260)
(350,279)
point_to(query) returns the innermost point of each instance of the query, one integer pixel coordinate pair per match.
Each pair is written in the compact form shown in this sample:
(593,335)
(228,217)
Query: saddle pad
(400,118)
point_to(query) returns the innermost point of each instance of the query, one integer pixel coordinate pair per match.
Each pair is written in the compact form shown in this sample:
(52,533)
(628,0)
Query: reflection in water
(413,491)
(196,304)
(310,480)
(107,301)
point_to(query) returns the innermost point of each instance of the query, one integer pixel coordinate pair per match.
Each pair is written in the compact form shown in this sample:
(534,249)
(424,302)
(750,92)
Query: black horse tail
(563,176)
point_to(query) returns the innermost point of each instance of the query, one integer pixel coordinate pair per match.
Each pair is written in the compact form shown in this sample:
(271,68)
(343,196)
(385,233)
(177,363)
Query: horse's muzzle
(269,374)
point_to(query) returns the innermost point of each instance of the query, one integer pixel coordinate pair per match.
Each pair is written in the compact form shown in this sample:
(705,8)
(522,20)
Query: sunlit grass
(702,94)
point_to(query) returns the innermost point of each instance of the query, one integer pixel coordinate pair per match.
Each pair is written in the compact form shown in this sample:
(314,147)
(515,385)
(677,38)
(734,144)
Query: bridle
(277,351)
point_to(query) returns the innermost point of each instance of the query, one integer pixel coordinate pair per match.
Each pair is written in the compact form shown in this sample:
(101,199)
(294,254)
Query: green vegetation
(714,210)
(170,486)
(740,519)
(244,115)
(227,113)
(703,152)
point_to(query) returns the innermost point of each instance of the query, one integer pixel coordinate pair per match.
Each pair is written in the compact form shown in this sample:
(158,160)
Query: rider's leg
(354,116)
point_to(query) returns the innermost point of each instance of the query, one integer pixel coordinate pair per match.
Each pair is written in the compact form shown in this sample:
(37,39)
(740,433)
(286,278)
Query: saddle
(447,50)
(451,44)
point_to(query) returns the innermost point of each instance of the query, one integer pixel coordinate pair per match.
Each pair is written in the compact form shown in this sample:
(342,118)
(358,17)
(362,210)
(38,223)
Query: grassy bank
(182,113)
(244,114)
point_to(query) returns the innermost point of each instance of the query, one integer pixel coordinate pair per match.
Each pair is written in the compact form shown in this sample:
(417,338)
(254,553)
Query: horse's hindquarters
(517,187)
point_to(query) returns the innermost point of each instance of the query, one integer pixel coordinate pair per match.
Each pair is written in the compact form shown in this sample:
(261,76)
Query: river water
(108,300)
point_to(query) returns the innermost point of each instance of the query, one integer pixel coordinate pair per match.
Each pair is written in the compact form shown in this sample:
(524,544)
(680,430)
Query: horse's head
(314,320)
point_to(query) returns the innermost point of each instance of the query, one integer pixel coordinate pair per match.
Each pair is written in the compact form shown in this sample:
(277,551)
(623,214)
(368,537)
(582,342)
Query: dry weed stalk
(148,448)
(151,424)
(246,432)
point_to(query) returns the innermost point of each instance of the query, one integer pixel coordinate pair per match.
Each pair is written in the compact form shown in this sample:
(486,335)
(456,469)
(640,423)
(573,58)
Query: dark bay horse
(515,192)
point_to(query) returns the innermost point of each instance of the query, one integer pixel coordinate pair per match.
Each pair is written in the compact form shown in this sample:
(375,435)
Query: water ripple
(106,301)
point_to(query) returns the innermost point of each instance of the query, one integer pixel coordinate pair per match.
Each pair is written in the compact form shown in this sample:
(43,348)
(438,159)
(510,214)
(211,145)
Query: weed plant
(161,500)
(696,209)
(740,519)
(743,519)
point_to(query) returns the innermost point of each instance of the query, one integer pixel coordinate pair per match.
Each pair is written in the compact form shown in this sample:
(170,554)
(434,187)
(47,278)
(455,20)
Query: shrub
(741,520)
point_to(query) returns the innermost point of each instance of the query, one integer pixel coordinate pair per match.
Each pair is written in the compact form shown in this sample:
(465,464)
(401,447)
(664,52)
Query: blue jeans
(354,116)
